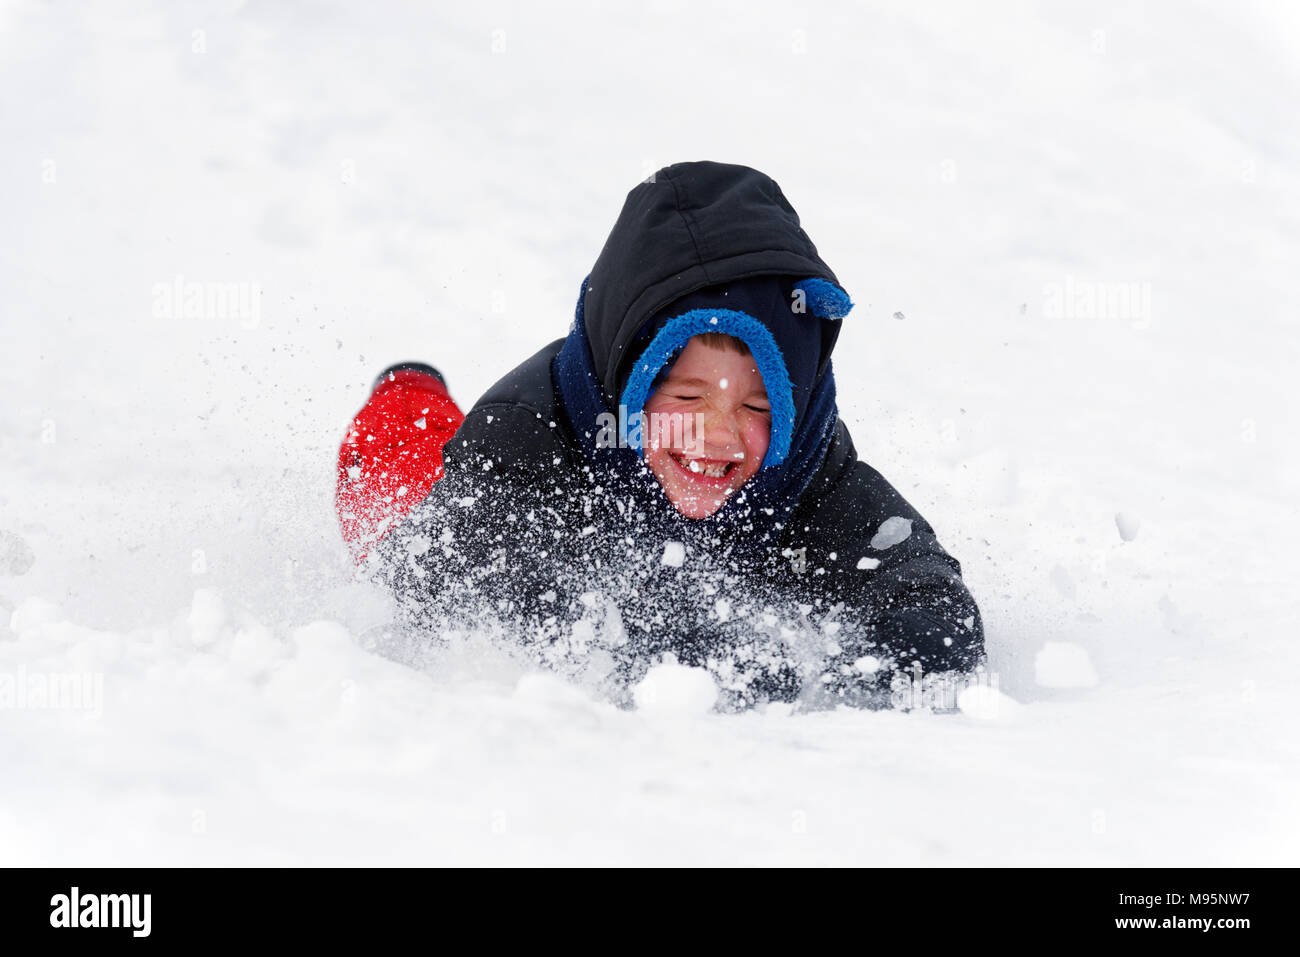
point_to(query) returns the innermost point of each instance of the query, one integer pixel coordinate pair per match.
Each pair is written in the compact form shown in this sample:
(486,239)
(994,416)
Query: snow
(1085,213)
(16,556)
(674,554)
(1062,664)
(986,703)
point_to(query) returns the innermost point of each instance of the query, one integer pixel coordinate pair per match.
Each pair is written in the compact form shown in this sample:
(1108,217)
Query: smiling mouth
(705,468)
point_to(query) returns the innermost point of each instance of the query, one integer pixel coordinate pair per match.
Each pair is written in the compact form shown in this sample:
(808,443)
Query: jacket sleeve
(900,595)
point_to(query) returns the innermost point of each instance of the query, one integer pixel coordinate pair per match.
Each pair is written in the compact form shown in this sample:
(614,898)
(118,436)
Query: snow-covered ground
(1072,233)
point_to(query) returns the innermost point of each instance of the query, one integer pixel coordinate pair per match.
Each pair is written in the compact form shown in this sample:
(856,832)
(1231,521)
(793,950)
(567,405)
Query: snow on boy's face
(701,462)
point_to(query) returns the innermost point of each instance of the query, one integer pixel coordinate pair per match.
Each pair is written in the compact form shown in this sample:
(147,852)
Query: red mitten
(392,454)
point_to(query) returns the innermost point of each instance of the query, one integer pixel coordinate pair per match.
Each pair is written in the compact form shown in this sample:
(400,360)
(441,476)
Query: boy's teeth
(712,470)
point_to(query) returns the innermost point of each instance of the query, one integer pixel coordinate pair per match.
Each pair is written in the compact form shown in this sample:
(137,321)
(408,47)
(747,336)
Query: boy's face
(708,427)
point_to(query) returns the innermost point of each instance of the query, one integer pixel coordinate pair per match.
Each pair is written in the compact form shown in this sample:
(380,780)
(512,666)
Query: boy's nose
(721,433)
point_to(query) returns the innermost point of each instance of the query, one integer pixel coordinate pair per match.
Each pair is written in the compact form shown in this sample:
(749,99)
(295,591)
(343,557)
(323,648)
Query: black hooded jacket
(819,585)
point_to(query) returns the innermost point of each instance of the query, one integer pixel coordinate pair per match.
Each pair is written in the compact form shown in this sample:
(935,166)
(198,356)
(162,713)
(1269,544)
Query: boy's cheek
(757,438)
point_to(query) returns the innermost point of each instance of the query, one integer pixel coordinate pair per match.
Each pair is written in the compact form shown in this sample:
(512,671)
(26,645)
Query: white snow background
(432,181)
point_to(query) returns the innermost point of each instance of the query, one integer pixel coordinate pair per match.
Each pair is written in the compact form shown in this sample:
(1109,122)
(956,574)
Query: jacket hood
(691,226)
(700,242)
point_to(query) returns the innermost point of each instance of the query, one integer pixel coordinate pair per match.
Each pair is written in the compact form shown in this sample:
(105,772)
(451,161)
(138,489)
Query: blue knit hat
(789,326)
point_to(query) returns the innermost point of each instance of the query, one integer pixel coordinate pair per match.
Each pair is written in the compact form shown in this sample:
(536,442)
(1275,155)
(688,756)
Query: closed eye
(757,408)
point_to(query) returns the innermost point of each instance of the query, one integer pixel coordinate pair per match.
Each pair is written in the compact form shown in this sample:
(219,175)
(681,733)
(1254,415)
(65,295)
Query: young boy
(672,476)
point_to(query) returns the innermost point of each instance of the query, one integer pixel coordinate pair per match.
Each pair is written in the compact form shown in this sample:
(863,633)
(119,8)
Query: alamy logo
(1087,299)
(182,299)
(939,692)
(102,910)
(51,690)
(679,431)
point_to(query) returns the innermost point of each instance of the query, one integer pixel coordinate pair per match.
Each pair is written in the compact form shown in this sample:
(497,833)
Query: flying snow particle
(866,564)
(674,554)
(1128,524)
(867,664)
(891,532)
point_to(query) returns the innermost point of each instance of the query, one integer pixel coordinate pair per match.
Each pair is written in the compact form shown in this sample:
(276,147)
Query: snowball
(1060,664)
(867,664)
(673,689)
(1128,524)
(986,703)
(32,613)
(891,532)
(674,554)
(868,563)
(207,616)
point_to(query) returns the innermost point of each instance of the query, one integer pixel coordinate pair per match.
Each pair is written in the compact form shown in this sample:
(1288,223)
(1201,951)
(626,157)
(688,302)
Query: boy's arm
(920,609)
(898,585)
